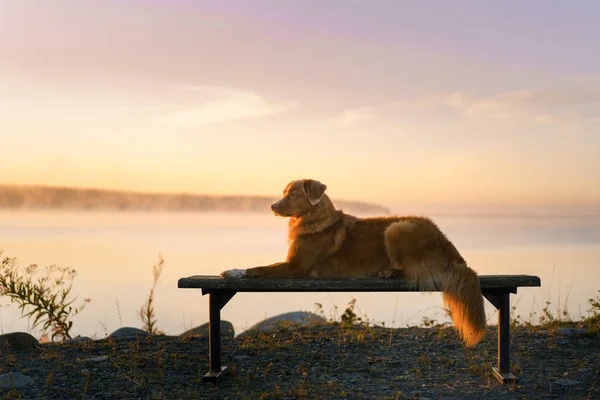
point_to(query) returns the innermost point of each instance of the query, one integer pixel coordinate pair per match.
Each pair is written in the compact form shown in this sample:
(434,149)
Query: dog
(326,242)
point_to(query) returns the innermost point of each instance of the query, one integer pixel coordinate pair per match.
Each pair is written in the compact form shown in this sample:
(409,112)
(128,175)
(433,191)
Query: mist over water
(114,252)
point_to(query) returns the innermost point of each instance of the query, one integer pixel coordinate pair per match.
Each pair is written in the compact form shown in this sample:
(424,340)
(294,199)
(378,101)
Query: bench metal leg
(501,300)
(502,372)
(216,301)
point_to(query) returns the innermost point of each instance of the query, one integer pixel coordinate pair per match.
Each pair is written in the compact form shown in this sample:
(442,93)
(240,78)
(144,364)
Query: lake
(113,254)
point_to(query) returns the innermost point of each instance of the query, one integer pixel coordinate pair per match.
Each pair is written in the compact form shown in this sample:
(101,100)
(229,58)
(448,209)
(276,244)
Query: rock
(15,380)
(566,382)
(128,333)
(570,331)
(98,359)
(352,376)
(202,330)
(286,320)
(80,339)
(18,341)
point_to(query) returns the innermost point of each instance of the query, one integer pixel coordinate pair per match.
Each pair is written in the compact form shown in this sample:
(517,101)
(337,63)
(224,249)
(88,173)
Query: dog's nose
(273,207)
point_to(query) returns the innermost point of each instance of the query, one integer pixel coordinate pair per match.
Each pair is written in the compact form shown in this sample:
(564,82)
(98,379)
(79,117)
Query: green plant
(147,311)
(515,320)
(47,298)
(547,317)
(349,317)
(594,314)
(428,322)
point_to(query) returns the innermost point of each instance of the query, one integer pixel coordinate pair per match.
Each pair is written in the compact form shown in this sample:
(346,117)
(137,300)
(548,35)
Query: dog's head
(299,197)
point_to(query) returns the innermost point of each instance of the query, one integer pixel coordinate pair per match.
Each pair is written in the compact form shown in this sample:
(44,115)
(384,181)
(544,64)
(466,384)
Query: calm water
(114,253)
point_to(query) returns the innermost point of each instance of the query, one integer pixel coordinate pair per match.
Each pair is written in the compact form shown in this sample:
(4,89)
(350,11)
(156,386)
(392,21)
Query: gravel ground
(325,362)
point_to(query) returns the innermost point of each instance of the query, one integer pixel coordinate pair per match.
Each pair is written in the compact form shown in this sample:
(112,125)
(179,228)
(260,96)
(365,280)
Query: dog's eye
(292,194)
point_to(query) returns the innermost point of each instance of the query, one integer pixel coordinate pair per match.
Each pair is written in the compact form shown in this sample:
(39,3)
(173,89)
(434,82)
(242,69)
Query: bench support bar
(216,301)
(501,300)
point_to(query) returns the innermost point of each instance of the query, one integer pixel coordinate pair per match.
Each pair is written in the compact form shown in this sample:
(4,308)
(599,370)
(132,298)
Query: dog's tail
(433,263)
(463,298)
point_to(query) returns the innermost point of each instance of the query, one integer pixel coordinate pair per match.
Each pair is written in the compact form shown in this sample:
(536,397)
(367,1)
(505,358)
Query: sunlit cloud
(217,105)
(505,106)
(354,117)
(518,105)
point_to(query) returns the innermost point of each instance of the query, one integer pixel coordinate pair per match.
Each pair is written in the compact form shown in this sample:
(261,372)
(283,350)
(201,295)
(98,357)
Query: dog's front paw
(233,273)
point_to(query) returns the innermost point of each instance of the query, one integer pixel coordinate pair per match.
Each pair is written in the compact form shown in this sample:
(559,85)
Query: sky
(459,104)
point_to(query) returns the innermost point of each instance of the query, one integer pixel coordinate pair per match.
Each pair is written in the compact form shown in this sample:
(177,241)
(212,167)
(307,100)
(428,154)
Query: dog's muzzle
(275,207)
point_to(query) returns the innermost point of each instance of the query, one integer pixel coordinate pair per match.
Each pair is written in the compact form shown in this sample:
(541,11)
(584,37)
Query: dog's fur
(325,242)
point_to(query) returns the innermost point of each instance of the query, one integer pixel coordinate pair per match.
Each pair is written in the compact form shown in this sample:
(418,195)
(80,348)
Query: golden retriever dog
(325,242)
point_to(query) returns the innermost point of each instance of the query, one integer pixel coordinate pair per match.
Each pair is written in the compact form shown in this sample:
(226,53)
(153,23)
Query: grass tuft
(147,313)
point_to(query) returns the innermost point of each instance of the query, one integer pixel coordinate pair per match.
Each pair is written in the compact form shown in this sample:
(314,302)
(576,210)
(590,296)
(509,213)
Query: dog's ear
(314,190)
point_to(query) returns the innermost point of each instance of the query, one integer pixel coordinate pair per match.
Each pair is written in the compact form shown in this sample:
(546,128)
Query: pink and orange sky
(462,102)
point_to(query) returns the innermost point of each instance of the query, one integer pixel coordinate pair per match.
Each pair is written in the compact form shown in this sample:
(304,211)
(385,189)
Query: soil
(330,361)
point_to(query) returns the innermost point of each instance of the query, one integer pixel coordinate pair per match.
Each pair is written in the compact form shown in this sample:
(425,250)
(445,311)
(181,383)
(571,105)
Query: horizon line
(443,209)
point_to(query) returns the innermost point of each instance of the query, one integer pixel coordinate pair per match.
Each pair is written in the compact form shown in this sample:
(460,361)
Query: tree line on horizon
(64,198)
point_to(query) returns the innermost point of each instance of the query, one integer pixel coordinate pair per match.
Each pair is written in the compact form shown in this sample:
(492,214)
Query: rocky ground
(329,361)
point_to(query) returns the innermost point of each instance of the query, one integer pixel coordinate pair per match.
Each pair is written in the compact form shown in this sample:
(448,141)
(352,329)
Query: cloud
(215,105)
(506,106)
(354,117)
(503,106)
(519,105)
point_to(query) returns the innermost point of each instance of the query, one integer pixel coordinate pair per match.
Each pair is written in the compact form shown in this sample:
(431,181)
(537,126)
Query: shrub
(46,299)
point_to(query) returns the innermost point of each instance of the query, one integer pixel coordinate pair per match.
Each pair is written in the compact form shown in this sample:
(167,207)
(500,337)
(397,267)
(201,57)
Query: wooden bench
(495,288)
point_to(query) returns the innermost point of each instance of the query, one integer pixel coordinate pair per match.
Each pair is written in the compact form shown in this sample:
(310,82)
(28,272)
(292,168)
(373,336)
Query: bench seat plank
(212,283)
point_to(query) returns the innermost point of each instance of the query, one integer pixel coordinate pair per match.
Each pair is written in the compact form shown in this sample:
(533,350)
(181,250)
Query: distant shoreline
(37,197)
(59,198)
